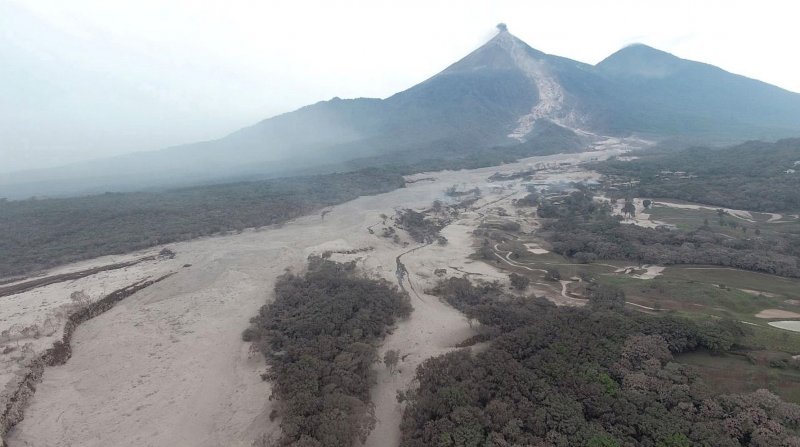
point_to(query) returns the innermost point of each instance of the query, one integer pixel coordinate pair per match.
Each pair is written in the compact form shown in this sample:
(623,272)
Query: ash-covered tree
(629,209)
(519,282)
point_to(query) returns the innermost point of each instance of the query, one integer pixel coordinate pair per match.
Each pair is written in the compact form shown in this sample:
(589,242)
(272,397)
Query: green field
(789,288)
(739,373)
(693,291)
(689,219)
(711,291)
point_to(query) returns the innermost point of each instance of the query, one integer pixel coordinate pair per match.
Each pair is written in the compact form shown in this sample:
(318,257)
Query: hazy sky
(82,79)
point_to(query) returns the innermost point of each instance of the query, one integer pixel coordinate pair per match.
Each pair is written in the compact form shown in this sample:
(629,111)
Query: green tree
(610,386)
(675,440)
(602,441)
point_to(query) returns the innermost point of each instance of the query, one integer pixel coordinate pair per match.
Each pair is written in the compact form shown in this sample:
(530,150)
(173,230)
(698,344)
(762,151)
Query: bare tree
(519,282)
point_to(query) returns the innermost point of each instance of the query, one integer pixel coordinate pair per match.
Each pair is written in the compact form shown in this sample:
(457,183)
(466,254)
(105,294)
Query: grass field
(736,373)
(789,288)
(763,356)
(691,219)
(710,291)
(693,291)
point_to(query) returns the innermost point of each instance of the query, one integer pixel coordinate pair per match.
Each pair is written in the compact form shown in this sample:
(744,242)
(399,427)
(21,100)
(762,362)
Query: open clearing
(789,325)
(746,372)
(777,313)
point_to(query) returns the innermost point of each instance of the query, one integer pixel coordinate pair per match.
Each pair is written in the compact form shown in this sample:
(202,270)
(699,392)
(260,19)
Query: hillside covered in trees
(755,176)
(597,376)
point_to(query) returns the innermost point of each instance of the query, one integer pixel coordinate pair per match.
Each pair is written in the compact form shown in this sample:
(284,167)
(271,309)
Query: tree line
(38,234)
(756,176)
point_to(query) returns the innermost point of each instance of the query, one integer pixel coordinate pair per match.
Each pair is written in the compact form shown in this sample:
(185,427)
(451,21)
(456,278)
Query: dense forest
(319,337)
(755,176)
(37,234)
(584,229)
(597,376)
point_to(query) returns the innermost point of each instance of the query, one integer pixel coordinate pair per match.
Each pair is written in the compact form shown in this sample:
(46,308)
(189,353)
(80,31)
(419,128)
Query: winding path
(402,271)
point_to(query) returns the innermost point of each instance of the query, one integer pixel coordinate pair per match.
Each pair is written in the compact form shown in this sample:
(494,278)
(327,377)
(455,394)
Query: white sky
(82,79)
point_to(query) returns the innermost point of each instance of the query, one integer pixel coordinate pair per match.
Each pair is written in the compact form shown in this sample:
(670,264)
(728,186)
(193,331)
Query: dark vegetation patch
(425,226)
(489,304)
(596,376)
(531,199)
(583,229)
(422,227)
(319,337)
(453,191)
(38,234)
(754,176)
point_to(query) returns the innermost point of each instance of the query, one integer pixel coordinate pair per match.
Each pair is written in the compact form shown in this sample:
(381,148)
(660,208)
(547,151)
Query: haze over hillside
(502,94)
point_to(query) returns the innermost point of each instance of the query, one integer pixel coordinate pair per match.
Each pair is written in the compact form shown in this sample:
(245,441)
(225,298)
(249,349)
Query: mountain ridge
(492,97)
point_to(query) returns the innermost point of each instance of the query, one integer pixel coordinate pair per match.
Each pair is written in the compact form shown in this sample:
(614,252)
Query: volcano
(503,94)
